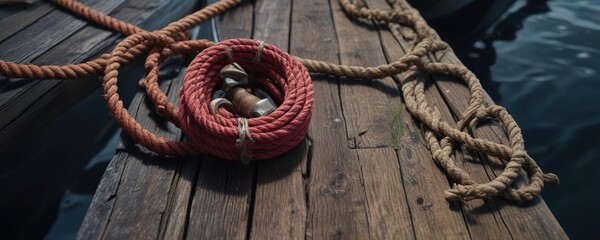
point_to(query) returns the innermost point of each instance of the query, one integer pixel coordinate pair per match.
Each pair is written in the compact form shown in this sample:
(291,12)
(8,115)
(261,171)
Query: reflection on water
(540,61)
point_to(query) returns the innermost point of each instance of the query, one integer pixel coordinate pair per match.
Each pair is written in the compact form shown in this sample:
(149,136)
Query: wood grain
(279,205)
(388,213)
(223,197)
(21,19)
(424,183)
(68,138)
(336,200)
(134,205)
(30,43)
(370,107)
(27,106)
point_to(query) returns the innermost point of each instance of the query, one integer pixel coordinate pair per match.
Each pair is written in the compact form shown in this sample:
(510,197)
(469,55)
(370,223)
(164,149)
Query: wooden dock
(49,130)
(363,172)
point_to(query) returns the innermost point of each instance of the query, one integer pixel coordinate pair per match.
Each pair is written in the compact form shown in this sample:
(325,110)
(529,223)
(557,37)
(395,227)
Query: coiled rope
(271,135)
(275,133)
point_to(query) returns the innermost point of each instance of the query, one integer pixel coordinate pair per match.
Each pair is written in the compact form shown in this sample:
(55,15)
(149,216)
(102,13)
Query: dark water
(541,60)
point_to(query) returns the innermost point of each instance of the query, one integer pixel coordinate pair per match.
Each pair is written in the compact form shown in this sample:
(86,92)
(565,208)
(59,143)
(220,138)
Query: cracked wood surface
(364,171)
(50,130)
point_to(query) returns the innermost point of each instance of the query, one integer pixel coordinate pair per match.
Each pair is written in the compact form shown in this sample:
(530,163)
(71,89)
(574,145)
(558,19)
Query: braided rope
(279,131)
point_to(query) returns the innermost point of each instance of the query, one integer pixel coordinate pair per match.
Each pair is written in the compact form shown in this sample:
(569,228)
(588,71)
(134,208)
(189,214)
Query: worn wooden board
(24,47)
(142,177)
(388,212)
(279,210)
(19,16)
(27,106)
(337,204)
(369,106)
(63,124)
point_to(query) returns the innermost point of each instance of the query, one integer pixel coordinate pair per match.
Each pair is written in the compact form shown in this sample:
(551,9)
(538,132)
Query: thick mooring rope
(279,131)
(271,135)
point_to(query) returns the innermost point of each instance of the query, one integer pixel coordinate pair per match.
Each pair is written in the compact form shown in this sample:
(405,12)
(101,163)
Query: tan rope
(259,53)
(439,135)
(244,141)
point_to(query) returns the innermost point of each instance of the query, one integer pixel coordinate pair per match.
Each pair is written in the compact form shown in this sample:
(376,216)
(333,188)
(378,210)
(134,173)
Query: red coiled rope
(270,68)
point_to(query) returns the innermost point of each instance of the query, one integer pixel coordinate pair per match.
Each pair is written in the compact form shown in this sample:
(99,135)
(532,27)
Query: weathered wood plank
(48,31)
(222,201)
(279,205)
(279,202)
(151,188)
(237,25)
(388,213)
(424,184)
(176,216)
(337,205)
(140,200)
(272,22)
(99,213)
(33,41)
(369,106)
(221,205)
(34,103)
(144,187)
(25,16)
(174,223)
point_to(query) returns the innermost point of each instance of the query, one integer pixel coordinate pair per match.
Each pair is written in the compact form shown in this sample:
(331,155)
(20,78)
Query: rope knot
(519,154)
(259,52)
(482,113)
(228,52)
